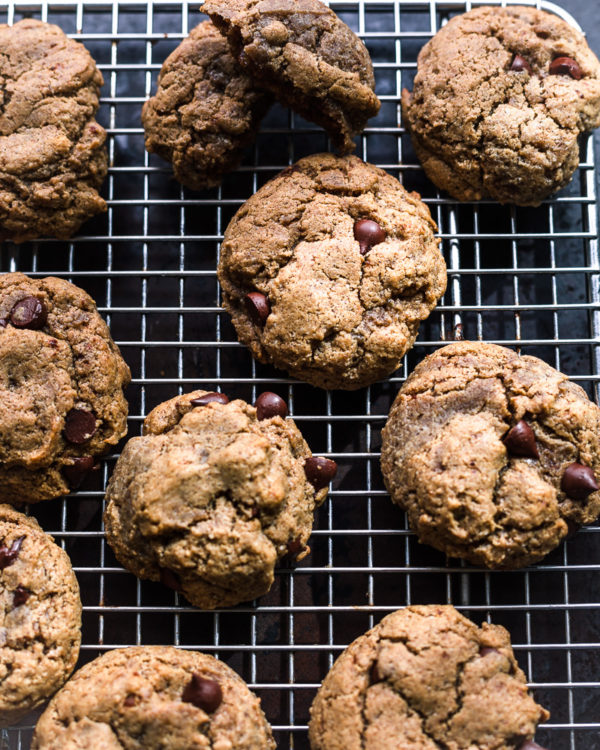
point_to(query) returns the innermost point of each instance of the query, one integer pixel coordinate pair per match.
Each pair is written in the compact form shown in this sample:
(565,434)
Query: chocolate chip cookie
(213,495)
(61,388)
(426,678)
(328,270)
(52,154)
(494,457)
(306,57)
(151,698)
(206,109)
(40,616)
(500,98)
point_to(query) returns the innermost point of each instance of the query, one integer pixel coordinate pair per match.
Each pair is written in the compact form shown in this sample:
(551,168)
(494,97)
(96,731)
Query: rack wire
(527,278)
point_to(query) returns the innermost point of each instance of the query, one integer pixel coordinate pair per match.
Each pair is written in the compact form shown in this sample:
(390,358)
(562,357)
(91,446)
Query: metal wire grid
(525,278)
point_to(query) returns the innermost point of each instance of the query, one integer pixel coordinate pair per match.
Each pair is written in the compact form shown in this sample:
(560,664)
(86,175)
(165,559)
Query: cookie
(213,496)
(302,53)
(40,616)
(328,270)
(500,98)
(61,388)
(52,154)
(205,111)
(494,457)
(424,678)
(151,698)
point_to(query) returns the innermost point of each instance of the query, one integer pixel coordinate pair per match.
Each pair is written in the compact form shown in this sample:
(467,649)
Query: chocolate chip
(29,312)
(270,405)
(374,674)
(257,307)
(203,693)
(20,596)
(530,745)
(520,441)
(80,425)
(130,700)
(519,64)
(319,471)
(77,471)
(578,481)
(170,579)
(485,650)
(219,398)
(566,66)
(9,554)
(294,547)
(368,233)
(3,322)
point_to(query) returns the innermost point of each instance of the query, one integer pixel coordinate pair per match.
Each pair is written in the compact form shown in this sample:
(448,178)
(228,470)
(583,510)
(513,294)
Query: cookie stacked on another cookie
(152,698)
(40,616)
(214,88)
(426,677)
(61,388)
(52,155)
(328,270)
(494,457)
(213,495)
(500,98)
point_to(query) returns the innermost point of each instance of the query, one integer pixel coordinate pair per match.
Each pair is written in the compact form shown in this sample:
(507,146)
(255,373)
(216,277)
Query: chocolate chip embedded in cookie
(52,154)
(328,270)
(426,677)
(151,698)
(500,98)
(40,616)
(306,57)
(205,111)
(61,388)
(211,497)
(494,457)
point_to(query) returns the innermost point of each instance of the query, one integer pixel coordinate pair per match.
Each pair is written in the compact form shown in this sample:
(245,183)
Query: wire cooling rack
(527,278)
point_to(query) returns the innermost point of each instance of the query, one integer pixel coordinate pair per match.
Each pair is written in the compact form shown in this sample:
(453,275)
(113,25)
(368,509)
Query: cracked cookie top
(213,495)
(61,387)
(205,110)
(52,155)
(328,270)
(308,58)
(40,616)
(494,457)
(425,678)
(499,100)
(150,698)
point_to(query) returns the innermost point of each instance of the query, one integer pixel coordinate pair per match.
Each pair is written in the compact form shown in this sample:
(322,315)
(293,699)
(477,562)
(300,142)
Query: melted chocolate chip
(368,233)
(29,312)
(130,700)
(9,554)
(566,66)
(219,398)
(530,745)
(520,441)
(270,405)
(77,471)
(170,579)
(374,674)
(319,471)
(257,307)
(80,425)
(203,693)
(578,481)
(519,64)
(3,322)
(485,650)
(20,596)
